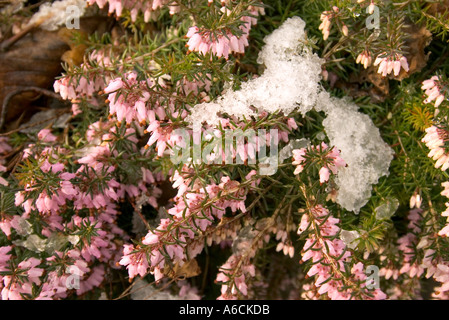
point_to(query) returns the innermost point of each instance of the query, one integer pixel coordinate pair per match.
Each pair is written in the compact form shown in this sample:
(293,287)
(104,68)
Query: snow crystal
(387,209)
(286,151)
(51,16)
(291,82)
(32,243)
(350,238)
(35,243)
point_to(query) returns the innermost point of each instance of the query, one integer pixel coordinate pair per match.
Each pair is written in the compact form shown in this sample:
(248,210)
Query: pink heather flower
(3,180)
(223,44)
(445,231)
(147,7)
(364,58)
(370,7)
(65,89)
(76,109)
(324,174)
(230,289)
(298,159)
(114,85)
(325,25)
(345,30)
(415,201)
(45,135)
(434,140)
(180,180)
(4,256)
(391,63)
(433,91)
(5,226)
(160,135)
(291,123)
(150,238)
(136,263)
(94,280)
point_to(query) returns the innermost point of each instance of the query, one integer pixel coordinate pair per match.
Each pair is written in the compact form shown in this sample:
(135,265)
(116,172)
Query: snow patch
(52,15)
(291,82)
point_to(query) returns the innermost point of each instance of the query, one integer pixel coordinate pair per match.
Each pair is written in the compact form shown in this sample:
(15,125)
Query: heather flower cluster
(329,157)
(326,20)
(199,207)
(433,91)
(149,7)
(364,58)
(222,43)
(391,63)
(61,243)
(435,141)
(328,256)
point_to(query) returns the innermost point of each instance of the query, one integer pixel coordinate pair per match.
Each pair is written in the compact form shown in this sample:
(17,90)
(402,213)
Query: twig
(141,58)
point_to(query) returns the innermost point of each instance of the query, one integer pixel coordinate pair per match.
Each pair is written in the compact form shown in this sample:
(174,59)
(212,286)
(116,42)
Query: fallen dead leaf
(188,270)
(418,40)
(35,61)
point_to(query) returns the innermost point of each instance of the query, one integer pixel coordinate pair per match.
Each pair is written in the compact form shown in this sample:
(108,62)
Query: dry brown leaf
(353,87)
(188,270)
(419,39)
(35,61)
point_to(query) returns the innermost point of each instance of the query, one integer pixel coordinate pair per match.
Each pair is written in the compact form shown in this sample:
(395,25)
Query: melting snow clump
(350,238)
(387,209)
(368,157)
(291,82)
